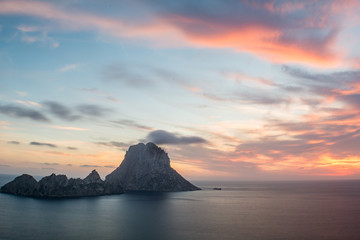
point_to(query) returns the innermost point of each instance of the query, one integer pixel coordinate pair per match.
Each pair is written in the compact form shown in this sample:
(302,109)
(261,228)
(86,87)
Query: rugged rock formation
(144,168)
(24,185)
(147,168)
(59,186)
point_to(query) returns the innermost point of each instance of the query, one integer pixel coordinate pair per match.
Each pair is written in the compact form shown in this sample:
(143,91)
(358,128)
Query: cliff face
(59,186)
(147,168)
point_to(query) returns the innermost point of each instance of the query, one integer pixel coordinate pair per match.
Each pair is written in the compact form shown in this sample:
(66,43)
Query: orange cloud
(264,42)
(340,166)
(174,29)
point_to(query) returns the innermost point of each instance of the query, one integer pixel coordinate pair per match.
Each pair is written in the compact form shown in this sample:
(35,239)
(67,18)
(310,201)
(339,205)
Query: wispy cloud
(13,142)
(21,112)
(123,74)
(69,67)
(75,113)
(92,110)
(48,168)
(333,77)
(60,111)
(59,153)
(21,94)
(243,78)
(28,103)
(132,124)
(328,87)
(120,145)
(244,97)
(164,137)
(33,34)
(56,109)
(112,99)
(97,92)
(27,28)
(90,166)
(109,166)
(70,128)
(43,144)
(72,148)
(51,164)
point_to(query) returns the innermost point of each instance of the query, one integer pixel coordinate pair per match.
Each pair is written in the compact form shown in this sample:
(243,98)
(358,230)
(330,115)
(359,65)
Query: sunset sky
(232,90)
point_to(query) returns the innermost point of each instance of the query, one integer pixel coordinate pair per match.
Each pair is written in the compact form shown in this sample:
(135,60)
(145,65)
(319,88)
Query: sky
(231,90)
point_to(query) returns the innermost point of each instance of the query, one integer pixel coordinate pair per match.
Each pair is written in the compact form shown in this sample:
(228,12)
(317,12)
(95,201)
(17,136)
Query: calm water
(245,210)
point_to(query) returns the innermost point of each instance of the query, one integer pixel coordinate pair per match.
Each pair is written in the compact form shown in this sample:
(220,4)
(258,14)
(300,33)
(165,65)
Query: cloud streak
(21,112)
(122,74)
(51,164)
(60,111)
(69,67)
(164,137)
(28,103)
(96,91)
(70,128)
(92,110)
(132,124)
(120,145)
(334,77)
(43,144)
(73,114)
(31,34)
(89,166)
(72,148)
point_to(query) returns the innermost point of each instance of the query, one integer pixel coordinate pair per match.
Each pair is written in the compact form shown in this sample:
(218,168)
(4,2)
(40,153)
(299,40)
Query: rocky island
(144,168)
(147,168)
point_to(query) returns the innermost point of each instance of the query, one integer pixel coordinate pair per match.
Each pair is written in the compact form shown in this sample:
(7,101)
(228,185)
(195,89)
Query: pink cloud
(268,41)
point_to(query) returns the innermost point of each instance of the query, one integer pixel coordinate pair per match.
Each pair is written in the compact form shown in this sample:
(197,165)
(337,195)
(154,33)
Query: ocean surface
(241,210)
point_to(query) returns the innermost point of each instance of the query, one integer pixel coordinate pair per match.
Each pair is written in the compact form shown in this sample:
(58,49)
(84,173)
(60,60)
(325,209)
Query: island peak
(146,167)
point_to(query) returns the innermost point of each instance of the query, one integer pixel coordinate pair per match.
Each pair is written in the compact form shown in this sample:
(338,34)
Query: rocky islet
(146,167)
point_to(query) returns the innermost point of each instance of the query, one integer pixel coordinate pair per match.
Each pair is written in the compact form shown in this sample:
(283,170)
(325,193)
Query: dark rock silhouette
(59,186)
(24,185)
(144,168)
(147,168)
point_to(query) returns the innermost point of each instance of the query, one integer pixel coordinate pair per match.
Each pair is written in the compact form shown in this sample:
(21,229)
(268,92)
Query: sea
(311,210)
